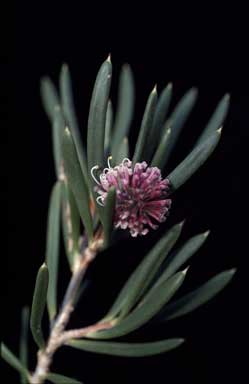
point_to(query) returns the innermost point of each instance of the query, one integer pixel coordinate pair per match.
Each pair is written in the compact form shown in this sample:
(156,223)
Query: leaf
(144,273)
(193,161)
(76,181)
(160,157)
(127,349)
(217,118)
(146,126)
(108,214)
(196,298)
(52,247)
(152,303)
(178,118)
(57,131)
(71,225)
(13,361)
(159,119)
(55,378)
(181,256)
(67,100)
(124,115)
(123,152)
(38,305)
(97,116)
(23,351)
(49,96)
(108,128)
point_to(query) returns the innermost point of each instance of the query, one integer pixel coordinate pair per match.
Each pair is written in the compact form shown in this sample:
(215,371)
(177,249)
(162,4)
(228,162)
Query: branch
(57,338)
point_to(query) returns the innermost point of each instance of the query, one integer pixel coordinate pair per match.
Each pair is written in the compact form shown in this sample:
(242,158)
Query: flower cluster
(141,195)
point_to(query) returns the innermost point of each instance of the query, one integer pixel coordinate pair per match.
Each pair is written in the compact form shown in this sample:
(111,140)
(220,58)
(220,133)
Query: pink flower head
(140,195)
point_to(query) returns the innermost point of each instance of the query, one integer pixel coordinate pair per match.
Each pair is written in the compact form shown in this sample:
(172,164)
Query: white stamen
(98,201)
(125,160)
(108,161)
(94,178)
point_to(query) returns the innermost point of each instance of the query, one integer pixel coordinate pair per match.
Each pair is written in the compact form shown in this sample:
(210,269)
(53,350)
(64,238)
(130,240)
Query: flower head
(141,195)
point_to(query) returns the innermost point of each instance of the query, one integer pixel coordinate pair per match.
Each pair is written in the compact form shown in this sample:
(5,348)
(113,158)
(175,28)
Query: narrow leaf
(13,361)
(67,100)
(49,96)
(181,256)
(146,126)
(52,247)
(193,161)
(217,119)
(57,132)
(55,378)
(126,95)
(152,303)
(178,118)
(127,349)
(76,181)
(108,214)
(144,273)
(160,157)
(108,128)
(97,116)
(71,225)
(23,351)
(123,151)
(159,119)
(38,305)
(196,298)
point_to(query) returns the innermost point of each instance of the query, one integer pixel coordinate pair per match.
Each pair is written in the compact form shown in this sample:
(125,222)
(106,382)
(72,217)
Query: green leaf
(196,298)
(144,273)
(160,156)
(38,305)
(181,256)
(108,127)
(23,350)
(217,118)
(13,361)
(159,120)
(49,96)
(108,214)
(127,349)
(57,131)
(193,161)
(126,95)
(55,378)
(123,151)
(152,303)
(97,116)
(52,247)
(71,225)
(146,126)
(76,181)
(66,93)
(178,118)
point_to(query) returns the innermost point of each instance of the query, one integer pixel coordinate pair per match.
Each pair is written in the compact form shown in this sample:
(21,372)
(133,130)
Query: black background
(203,51)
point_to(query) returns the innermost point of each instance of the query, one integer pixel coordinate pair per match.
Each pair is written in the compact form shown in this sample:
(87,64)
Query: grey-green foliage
(147,295)
(52,247)
(38,305)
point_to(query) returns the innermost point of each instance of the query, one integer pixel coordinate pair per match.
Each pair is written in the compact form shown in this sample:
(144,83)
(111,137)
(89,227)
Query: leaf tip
(181,224)
(206,234)
(170,86)
(109,58)
(219,130)
(184,272)
(154,90)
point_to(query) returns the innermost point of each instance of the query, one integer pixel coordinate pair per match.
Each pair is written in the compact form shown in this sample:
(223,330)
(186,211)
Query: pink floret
(141,196)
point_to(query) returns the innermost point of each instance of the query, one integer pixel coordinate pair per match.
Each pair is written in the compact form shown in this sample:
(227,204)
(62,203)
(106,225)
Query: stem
(57,338)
